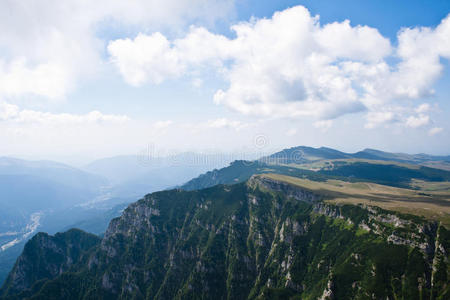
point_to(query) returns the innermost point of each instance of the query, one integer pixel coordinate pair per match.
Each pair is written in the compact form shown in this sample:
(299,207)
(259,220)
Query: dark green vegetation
(238,171)
(40,188)
(263,239)
(304,154)
(387,173)
(304,223)
(47,256)
(7,260)
(90,219)
(61,197)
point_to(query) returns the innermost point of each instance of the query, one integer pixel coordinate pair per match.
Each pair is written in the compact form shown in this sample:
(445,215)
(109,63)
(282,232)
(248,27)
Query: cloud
(401,116)
(292,66)
(46,79)
(423,108)
(197,82)
(94,134)
(146,58)
(324,125)
(291,132)
(435,130)
(417,121)
(363,43)
(377,118)
(48,46)
(8,111)
(163,124)
(214,125)
(226,123)
(12,113)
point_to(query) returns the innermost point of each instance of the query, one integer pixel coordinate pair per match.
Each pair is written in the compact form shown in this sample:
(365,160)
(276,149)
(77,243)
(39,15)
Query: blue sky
(385,15)
(81,81)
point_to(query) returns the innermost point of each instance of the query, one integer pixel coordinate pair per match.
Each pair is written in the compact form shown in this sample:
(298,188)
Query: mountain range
(304,154)
(51,196)
(137,175)
(303,223)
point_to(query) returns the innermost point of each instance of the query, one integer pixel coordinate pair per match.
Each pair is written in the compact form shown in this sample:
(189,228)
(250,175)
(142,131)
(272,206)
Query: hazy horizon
(225,157)
(224,149)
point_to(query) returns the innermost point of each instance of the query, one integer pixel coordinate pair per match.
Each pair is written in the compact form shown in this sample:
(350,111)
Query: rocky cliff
(262,239)
(46,257)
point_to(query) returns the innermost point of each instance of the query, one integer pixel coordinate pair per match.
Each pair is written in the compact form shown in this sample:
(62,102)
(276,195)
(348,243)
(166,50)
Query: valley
(52,197)
(340,228)
(224,150)
(24,233)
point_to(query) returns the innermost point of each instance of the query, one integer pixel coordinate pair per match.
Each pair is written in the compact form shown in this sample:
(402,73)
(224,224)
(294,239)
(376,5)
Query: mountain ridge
(301,154)
(256,229)
(255,240)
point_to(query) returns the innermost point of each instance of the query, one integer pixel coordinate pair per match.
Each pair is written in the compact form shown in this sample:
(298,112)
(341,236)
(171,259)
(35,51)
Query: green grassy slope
(387,173)
(264,239)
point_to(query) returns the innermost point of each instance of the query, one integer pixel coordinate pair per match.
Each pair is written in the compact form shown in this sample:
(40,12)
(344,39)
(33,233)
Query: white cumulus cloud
(293,66)
(47,46)
(12,113)
(146,58)
(377,118)
(417,121)
(423,108)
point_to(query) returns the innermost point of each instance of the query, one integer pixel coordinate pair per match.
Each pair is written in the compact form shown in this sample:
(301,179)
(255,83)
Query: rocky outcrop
(288,190)
(258,240)
(46,257)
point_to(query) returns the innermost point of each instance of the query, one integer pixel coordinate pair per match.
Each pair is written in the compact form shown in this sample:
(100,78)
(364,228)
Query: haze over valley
(224,149)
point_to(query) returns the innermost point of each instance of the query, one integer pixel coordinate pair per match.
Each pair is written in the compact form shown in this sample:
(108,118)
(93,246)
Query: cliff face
(46,257)
(260,239)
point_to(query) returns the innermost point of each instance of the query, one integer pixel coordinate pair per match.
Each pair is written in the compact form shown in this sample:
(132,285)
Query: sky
(81,80)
